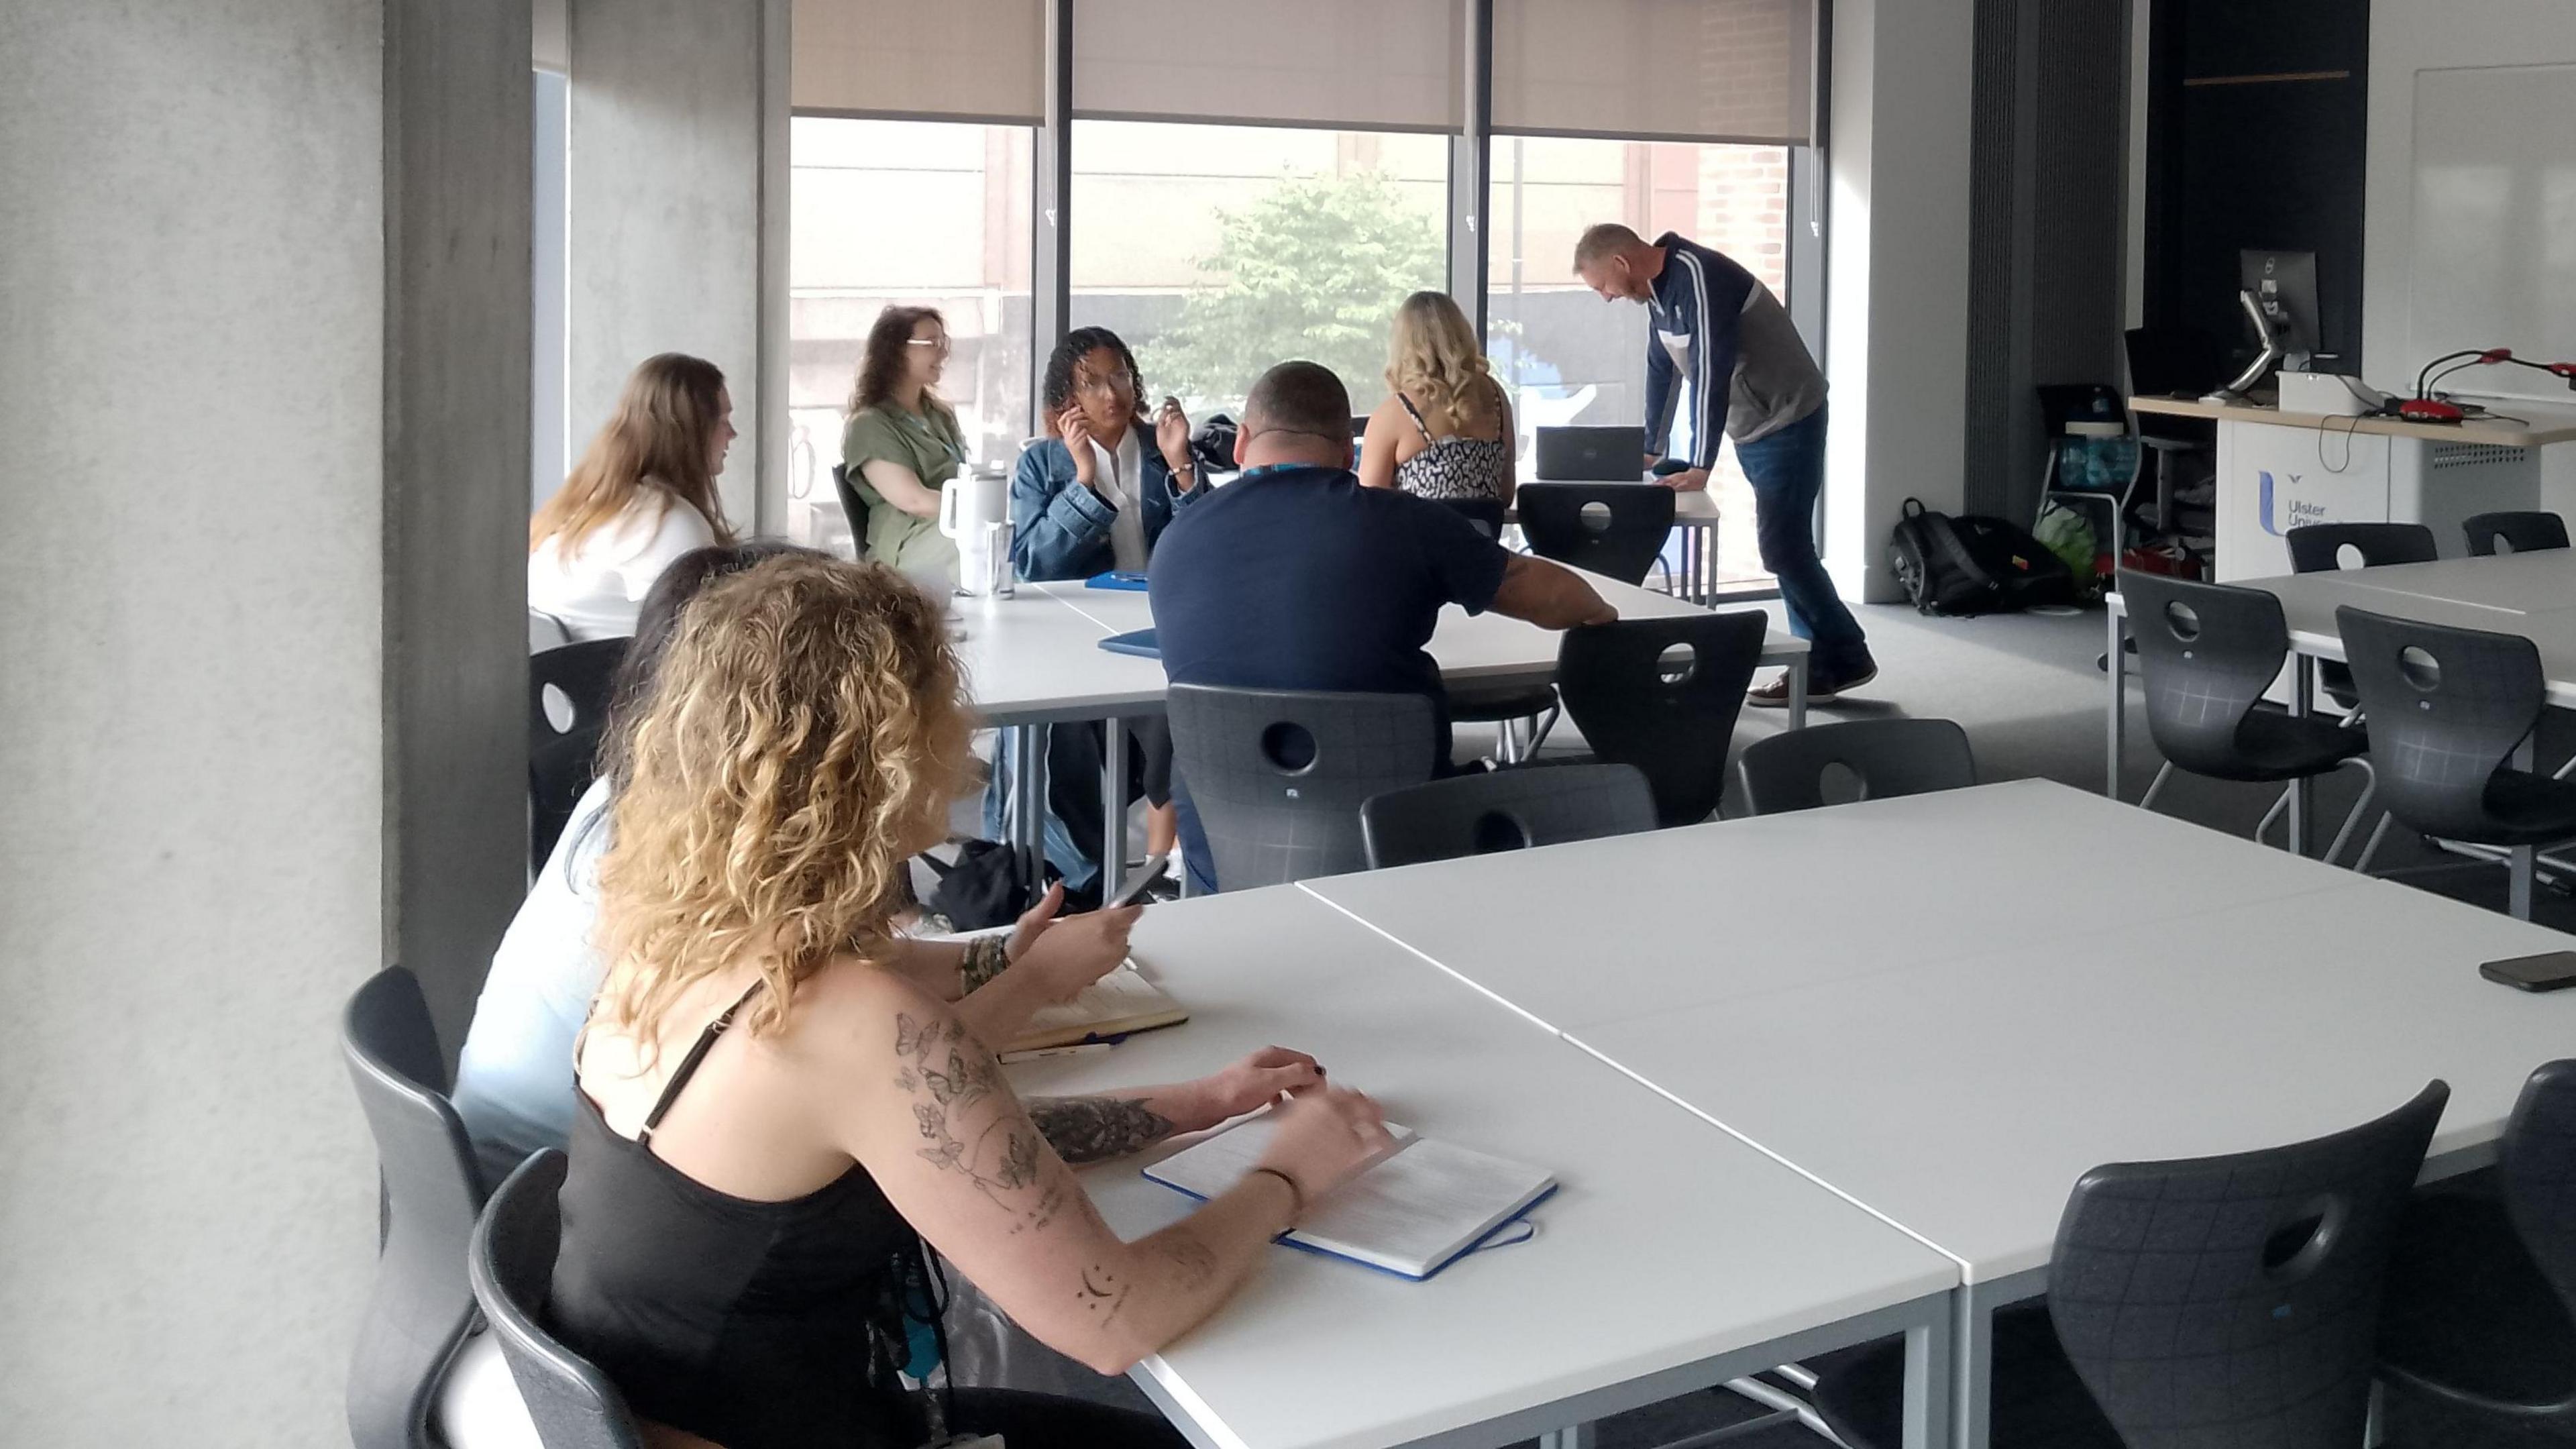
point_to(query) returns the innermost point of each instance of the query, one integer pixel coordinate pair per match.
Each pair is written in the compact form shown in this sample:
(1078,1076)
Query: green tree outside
(1314,269)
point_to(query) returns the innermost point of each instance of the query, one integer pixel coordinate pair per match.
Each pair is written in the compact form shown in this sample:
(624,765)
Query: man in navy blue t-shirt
(1295,577)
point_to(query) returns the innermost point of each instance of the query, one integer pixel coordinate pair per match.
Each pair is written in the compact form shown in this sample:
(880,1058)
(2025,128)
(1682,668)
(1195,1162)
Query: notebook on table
(1118,1004)
(1414,1212)
(1139,642)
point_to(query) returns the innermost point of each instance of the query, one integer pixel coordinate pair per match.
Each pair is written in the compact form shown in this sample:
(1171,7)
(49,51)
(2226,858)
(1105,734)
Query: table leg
(1972,1352)
(1113,806)
(1798,692)
(1028,804)
(1930,1380)
(2303,791)
(2519,866)
(1580,1436)
(2115,662)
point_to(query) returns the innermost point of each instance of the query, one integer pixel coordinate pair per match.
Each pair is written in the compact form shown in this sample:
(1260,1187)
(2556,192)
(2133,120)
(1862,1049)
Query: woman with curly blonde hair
(775,1113)
(1445,429)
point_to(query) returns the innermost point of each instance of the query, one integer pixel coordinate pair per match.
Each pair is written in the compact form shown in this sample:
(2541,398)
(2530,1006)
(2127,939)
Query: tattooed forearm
(948,1072)
(1094,1129)
(1103,1292)
(986,957)
(1193,1264)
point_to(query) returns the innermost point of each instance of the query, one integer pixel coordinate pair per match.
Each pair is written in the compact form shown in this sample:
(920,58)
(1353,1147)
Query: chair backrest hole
(1289,747)
(2350,556)
(2503,545)
(2293,1250)
(1840,784)
(1496,831)
(2183,620)
(1677,664)
(558,707)
(1595,516)
(2421,669)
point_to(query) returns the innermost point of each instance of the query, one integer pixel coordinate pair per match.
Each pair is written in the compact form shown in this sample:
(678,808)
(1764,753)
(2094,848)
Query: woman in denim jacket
(1095,494)
(1091,498)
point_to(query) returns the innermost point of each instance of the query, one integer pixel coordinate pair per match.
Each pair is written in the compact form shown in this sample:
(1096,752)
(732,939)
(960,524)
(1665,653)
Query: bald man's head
(1617,263)
(1298,412)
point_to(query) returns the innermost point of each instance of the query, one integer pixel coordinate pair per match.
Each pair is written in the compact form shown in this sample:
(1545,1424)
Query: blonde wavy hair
(661,433)
(1433,358)
(801,739)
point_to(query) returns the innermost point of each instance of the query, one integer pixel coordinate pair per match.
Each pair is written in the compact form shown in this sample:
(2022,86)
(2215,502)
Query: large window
(903,213)
(1215,251)
(1571,358)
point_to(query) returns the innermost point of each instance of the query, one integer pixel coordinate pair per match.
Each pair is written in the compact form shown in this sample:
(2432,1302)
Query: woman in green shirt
(903,444)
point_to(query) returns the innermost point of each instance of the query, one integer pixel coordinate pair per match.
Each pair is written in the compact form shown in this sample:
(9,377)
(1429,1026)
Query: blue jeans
(1787,470)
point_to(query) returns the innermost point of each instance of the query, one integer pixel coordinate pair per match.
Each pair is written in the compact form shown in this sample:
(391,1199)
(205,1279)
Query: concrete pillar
(226,571)
(1897,242)
(669,134)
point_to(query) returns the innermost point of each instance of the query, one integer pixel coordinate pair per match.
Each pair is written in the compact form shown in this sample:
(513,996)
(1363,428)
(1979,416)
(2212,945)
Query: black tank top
(759,1325)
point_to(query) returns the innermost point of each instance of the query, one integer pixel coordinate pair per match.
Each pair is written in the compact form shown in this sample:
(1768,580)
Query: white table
(2532,594)
(1035,659)
(2277,471)
(1672,1257)
(1874,1022)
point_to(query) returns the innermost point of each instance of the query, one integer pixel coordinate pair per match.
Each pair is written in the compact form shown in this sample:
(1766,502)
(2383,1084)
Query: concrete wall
(266,672)
(1897,235)
(2407,36)
(191,739)
(458,321)
(667,138)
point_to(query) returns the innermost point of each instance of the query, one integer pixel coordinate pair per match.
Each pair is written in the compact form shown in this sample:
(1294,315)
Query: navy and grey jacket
(1061,528)
(1750,372)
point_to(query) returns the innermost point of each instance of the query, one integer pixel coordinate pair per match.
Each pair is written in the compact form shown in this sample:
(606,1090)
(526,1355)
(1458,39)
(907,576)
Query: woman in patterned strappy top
(1445,430)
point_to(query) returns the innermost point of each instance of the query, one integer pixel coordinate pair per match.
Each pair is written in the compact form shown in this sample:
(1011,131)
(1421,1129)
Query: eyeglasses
(939,342)
(1106,383)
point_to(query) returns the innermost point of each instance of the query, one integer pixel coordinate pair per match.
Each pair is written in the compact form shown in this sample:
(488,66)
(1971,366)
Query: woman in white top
(642,496)
(1445,429)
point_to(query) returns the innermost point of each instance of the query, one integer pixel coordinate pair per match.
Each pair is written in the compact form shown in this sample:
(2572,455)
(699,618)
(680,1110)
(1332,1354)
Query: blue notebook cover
(1124,582)
(1138,642)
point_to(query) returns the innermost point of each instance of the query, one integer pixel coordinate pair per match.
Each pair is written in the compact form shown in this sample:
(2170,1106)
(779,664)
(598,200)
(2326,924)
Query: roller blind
(1345,64)
(1683,70)
(968,60)
(549,36)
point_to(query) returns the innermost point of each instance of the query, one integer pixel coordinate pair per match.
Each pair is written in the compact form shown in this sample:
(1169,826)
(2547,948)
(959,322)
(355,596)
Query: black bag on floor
(1973,565)
(982,890)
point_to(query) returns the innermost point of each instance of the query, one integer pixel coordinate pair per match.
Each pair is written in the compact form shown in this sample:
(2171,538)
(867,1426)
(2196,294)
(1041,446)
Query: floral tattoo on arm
(1095,1129)
(986,957)
(949,1073)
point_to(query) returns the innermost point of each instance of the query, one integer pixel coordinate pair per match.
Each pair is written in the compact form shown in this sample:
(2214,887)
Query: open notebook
(1113,1006)
(1416,1211)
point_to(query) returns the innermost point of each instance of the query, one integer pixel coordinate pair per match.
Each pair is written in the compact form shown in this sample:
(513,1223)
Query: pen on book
(1082,1049)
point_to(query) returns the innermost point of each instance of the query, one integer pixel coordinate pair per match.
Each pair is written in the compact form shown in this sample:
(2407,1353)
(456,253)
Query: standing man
(1752,379)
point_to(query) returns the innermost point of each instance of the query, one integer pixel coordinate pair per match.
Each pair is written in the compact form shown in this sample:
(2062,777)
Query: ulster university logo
(2281,509)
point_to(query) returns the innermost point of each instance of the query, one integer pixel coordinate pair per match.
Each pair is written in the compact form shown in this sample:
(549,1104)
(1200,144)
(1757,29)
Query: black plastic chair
(2173,362)
(2519,533)
(511,1265)
(1278,776)
(2206,653)
(2063,403)
(2318,549)
(420,1310)
(2478,1340)
(2446,710)
(2209,1302)
(559,771)
(1674,720)
(1485,515)
(1505,810)
(1622,541)
(854,508)
(576,680)
(1891,757)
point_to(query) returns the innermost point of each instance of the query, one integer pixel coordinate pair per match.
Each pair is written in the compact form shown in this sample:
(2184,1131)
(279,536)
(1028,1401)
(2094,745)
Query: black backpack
(1973,565)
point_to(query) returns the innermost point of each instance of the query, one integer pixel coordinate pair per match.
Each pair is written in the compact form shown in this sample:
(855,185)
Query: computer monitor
(2284,285)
